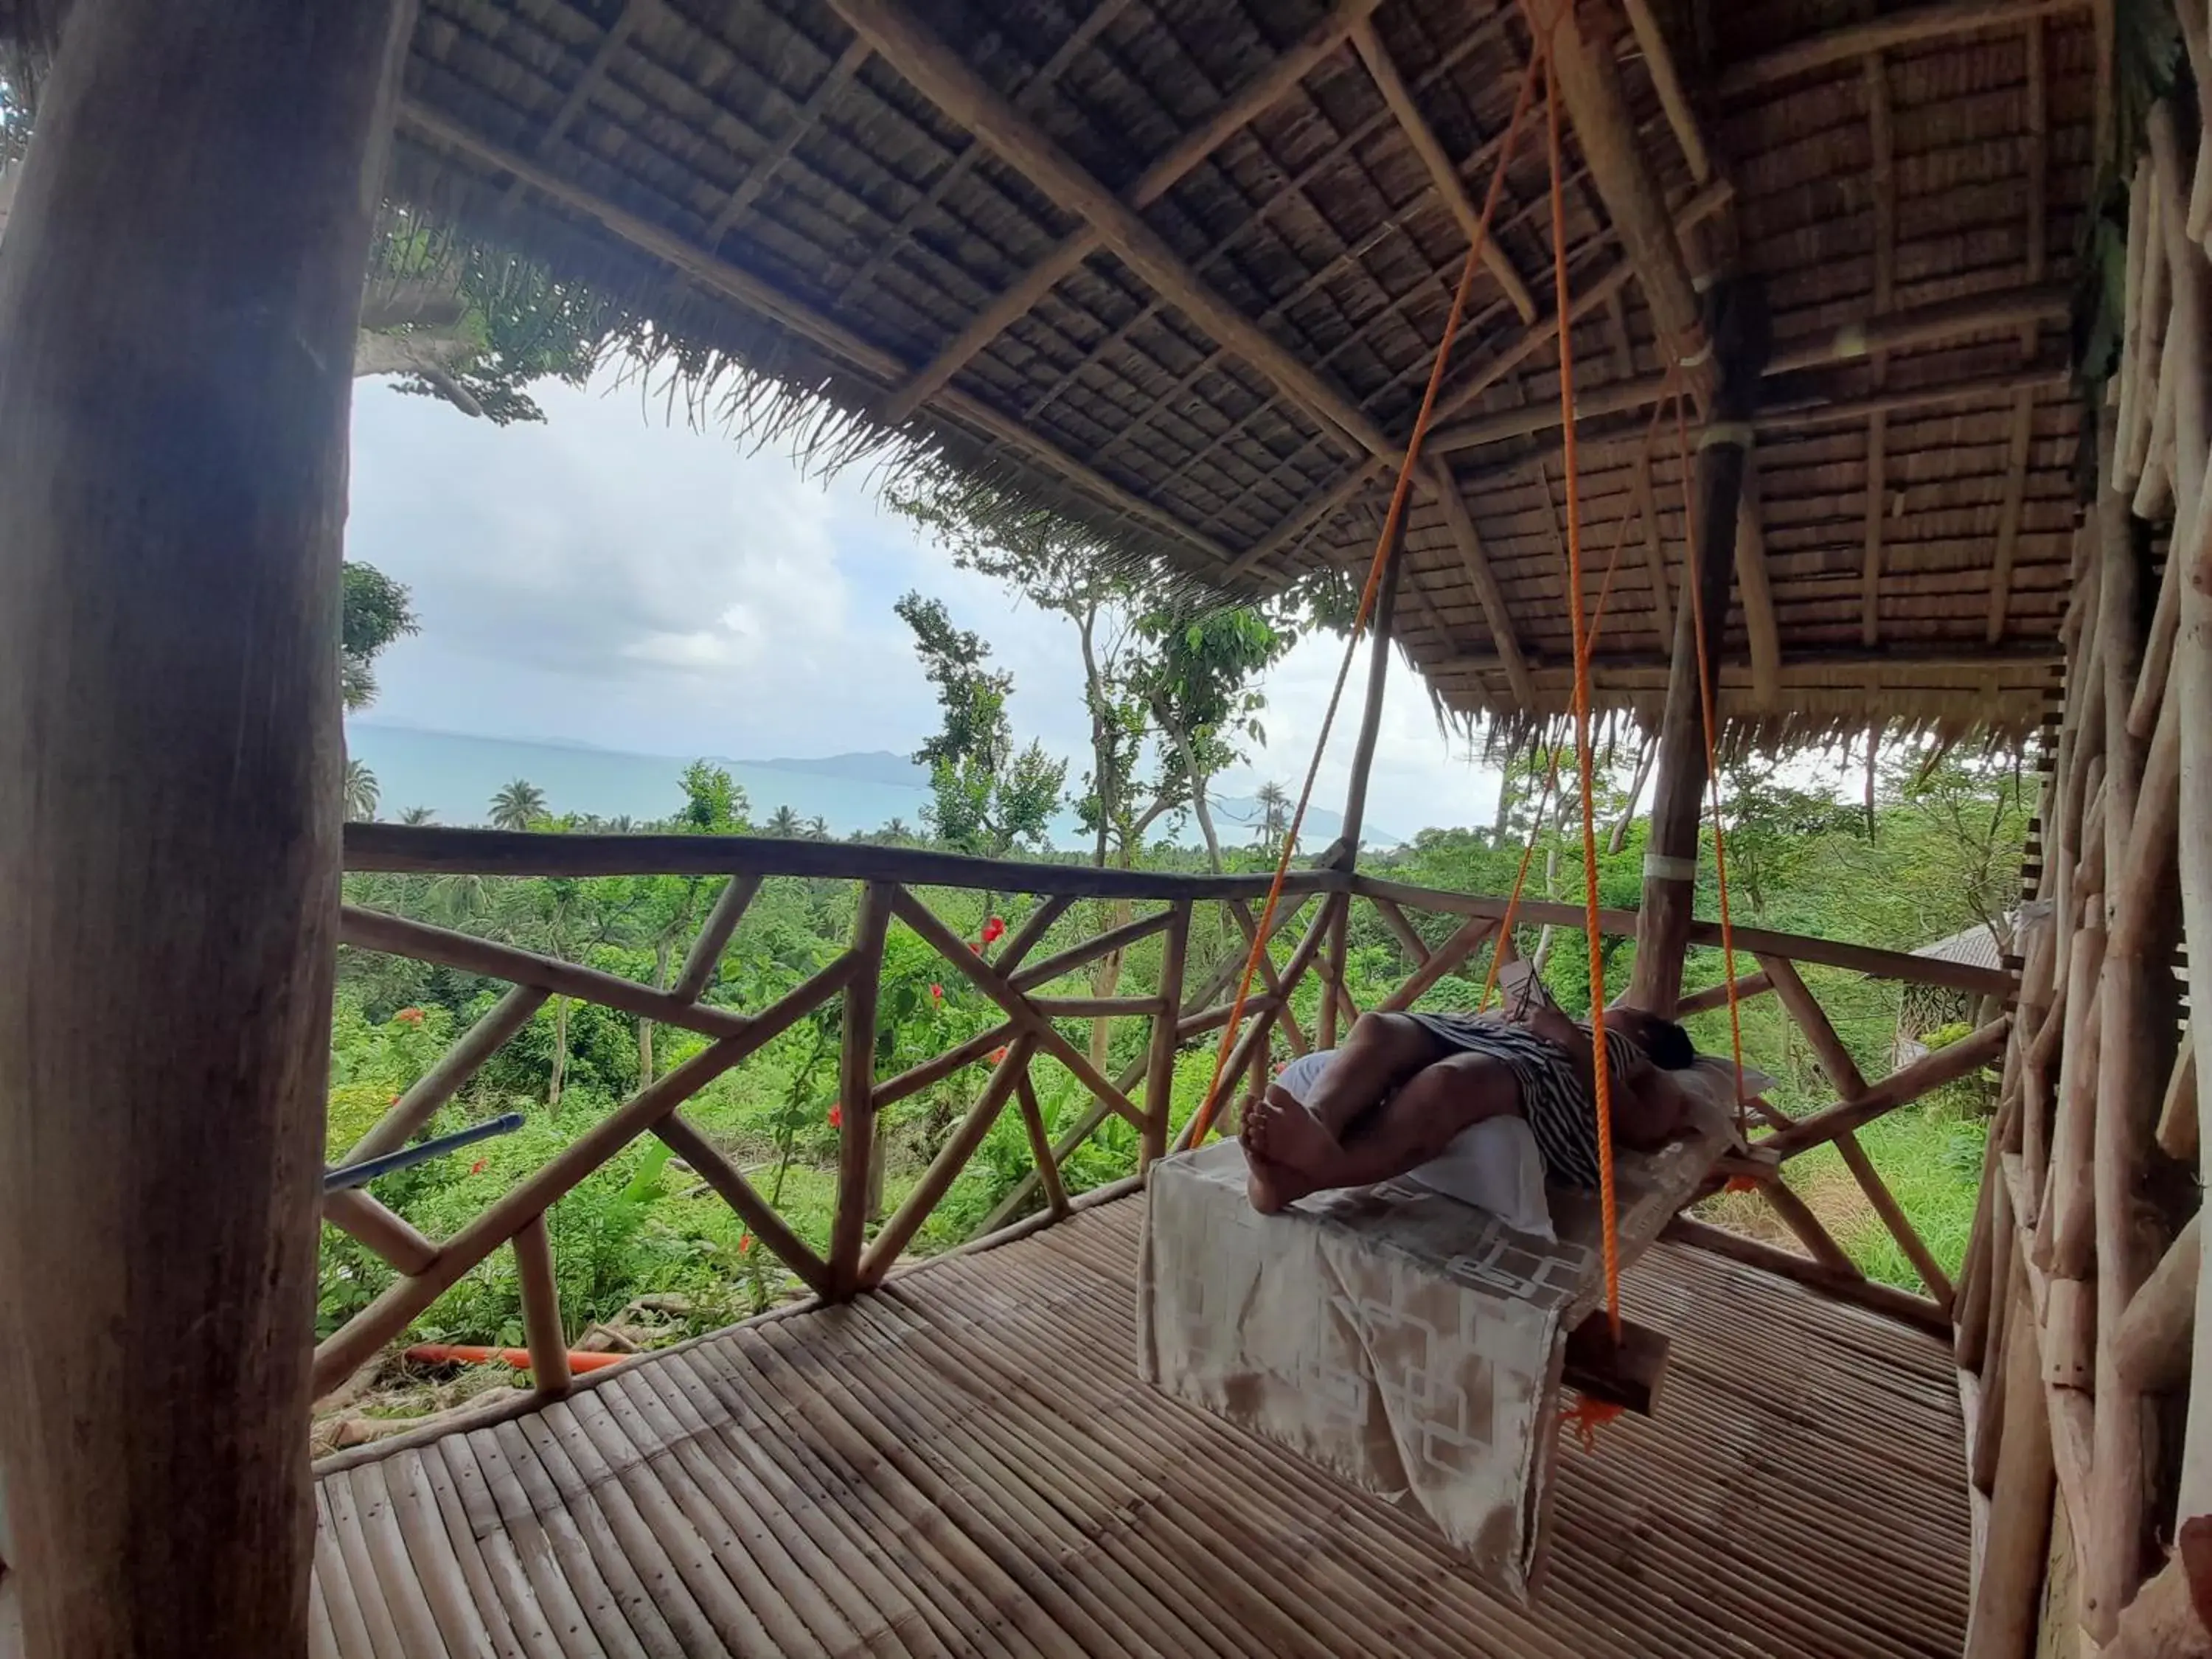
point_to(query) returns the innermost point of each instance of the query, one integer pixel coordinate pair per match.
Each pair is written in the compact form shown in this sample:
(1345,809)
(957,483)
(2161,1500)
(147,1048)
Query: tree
(1202,690)
(783,823)
(361,792)
(1274,803)
(475,330)
(714,804)
(986,797)
(517,806)
(375,613)
(417,815)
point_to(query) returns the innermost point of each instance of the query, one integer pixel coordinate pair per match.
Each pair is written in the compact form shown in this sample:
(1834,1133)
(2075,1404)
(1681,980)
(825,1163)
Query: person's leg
(1415,1125)
(1381,1052)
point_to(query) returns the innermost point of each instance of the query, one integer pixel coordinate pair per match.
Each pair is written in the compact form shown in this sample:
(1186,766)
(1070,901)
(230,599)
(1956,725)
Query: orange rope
(1712,756)
(1211,1104)
(1601,1070)
(1583,659)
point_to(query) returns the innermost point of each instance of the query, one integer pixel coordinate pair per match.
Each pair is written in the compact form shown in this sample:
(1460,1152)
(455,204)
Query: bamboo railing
(1311,920)
(2077,1312)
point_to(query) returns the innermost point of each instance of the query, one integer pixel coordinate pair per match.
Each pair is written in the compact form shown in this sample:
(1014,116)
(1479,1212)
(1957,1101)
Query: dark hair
(1669,1045)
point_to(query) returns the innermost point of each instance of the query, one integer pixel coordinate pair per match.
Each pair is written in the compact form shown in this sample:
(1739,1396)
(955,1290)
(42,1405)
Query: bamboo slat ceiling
(1181,266)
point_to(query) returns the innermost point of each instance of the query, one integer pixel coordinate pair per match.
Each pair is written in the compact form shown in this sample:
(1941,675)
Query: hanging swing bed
(1410,1344)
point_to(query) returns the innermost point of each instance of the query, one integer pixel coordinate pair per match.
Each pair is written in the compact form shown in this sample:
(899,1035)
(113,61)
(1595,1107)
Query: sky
(608,578)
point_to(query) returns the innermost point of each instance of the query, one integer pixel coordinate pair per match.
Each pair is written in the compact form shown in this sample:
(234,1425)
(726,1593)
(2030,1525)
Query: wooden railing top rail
(424,849)
(431,849)
(1749,941)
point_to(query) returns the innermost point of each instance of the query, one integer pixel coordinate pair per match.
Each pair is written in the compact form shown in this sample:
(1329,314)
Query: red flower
(395,1100)
(992,929)
(936,993)
(476,1168)
(998,1055)
(836,1115)
(412,1016)
(744,1243)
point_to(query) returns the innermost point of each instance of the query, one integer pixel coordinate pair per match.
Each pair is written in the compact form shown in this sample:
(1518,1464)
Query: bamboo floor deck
(966,1462)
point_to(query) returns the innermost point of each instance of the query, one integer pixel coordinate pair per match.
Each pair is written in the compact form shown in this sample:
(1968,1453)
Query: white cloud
(607,578)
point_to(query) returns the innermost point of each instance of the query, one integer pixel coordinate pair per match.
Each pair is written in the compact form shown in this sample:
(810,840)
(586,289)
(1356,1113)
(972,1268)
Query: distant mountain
(456,774)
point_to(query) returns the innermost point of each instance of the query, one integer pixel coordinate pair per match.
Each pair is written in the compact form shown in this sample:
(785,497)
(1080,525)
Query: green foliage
(516,326)
(375,611)
(986,797)
(1941,850)
(361,792)
(713,804)
(519,806)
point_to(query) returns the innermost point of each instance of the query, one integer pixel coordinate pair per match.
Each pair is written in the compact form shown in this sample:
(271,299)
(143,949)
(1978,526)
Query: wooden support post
(541,1308)
(856,1090)
(1739,335)
(179,286)
(2007,1599)
(1159,1065)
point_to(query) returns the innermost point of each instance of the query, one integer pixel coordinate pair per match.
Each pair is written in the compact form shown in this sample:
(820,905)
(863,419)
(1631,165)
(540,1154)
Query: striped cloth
(1557,1106)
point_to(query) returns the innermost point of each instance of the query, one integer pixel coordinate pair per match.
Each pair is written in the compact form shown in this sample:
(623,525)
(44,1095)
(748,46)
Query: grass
(1929,1158)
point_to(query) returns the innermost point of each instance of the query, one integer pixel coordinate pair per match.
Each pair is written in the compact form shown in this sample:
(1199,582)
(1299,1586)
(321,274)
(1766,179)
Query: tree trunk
(1198,782)
(178,294)
(559,1052)
(661,951)
(1619,838)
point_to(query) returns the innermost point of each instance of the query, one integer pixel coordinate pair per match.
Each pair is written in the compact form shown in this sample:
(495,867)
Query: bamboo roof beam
(1754,587)
(762,172)
(1667,82)
(1589,84)
(1100,18)
(1900,29)
(711,270)
(1468,541)
(1423,139)
(1602,289)
(967,95)
(1882,146)
(1294,189)
(2026,307)
(1654,552)
(612,46)
(2023,405)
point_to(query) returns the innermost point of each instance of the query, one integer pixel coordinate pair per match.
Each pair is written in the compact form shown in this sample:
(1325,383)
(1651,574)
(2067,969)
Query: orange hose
(1211,1105)
(469,1353)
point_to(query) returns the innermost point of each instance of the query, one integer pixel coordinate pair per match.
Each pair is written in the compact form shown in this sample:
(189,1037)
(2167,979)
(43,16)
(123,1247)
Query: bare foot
(1272,1187)
(1281,1131)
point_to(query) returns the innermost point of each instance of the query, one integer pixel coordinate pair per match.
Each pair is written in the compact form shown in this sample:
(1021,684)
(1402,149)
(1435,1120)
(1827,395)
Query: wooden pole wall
(178,291)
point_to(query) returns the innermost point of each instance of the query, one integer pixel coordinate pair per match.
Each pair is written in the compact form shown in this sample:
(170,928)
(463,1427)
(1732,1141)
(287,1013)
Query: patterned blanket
(1408,1343)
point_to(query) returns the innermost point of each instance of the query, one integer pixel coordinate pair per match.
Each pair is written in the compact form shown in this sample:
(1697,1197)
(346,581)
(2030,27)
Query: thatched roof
(1180,266)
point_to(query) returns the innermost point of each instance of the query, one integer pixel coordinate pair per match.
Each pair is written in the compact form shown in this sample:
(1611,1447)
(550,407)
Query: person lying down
(1404,1090)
